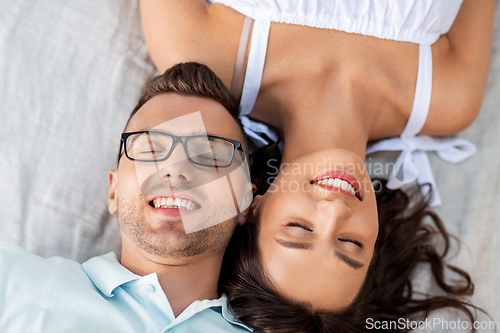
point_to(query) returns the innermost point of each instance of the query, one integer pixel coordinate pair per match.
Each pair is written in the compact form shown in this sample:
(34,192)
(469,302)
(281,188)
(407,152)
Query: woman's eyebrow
(294,245)
(351,262)
(307,246)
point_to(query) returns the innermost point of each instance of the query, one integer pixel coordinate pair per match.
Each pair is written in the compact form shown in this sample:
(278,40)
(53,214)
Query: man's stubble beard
(132,223)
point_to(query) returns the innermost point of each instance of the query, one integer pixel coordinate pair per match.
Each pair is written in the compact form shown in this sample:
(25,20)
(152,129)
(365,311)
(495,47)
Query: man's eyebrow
(306,246)
(193,132)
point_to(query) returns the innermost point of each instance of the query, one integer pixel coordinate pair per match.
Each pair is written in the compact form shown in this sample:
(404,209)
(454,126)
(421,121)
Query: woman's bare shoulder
(460,69)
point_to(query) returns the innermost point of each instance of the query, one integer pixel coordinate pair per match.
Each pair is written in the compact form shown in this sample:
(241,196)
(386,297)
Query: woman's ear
(112,178)
(252,209)
(256,202)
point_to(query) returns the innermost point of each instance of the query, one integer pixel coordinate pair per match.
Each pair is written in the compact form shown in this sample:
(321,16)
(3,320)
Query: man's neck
(182,281)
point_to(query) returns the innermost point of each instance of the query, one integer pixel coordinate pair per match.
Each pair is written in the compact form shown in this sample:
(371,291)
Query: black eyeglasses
(205,150)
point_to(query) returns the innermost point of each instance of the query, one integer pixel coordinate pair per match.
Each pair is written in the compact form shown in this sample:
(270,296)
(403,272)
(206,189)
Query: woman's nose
(333,214)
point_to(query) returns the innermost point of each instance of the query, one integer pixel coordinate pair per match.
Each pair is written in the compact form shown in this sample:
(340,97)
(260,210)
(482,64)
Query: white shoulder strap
(423,92)
(258,133)
(239,64)
(255,65)
(413,162)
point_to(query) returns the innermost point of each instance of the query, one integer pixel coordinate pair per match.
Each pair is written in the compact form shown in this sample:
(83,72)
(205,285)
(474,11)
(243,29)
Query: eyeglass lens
(203,150)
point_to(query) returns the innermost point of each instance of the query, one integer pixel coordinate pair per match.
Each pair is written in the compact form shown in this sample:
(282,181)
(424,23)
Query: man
(179,190)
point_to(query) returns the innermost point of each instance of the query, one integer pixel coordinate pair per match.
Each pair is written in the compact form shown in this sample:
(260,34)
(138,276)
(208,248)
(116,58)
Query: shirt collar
(227,313)
(218,305)
(115,275)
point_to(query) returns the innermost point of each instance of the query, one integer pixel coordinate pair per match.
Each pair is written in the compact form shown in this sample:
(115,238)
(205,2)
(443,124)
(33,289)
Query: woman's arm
(461,64)
(192,30)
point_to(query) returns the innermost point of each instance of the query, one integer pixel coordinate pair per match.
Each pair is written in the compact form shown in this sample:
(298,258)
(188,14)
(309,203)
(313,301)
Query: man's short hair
(190,79)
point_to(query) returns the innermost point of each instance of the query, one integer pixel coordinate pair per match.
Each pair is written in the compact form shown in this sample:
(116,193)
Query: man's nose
(177,167)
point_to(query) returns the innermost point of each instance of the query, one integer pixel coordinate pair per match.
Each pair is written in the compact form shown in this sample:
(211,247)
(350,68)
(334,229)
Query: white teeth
(338,183)
(171,203)
(344,185)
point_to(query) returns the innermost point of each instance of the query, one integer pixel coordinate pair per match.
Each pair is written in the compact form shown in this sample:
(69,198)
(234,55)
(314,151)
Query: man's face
(175,209)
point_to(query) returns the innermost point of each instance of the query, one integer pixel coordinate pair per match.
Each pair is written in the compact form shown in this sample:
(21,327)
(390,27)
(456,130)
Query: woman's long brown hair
(407,238)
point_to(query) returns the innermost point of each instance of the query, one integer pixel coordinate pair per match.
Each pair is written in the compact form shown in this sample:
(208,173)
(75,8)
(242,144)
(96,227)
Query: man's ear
(112,178)
(253,208)
(242,218)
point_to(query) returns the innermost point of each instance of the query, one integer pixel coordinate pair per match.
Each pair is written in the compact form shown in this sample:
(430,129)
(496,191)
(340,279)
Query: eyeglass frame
(176,139)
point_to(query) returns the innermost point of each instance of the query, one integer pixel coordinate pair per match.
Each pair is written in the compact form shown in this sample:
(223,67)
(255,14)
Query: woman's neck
(315,137)
(336,116)
(339,93)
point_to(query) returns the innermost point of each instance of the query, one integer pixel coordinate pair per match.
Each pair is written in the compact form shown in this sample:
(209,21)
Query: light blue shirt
(59,295)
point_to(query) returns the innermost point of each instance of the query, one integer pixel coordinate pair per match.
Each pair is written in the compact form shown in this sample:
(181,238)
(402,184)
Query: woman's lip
(340,175)
(338,190)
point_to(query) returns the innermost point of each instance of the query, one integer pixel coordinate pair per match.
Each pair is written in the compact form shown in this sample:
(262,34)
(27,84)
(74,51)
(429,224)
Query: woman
(404,72)
(373,65)
(312,257)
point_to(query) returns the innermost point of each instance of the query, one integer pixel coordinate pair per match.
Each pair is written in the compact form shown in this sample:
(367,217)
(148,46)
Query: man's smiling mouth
(173,202)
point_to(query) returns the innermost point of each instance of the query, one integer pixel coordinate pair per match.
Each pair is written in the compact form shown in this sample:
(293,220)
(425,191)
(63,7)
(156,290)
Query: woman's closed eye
(298,225)
(355,242)
(347,240)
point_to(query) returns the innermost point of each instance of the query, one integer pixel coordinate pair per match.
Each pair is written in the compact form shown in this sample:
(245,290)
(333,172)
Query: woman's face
(317,238)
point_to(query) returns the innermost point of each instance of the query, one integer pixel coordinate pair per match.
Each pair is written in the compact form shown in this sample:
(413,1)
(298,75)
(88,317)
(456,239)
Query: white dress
(416,21)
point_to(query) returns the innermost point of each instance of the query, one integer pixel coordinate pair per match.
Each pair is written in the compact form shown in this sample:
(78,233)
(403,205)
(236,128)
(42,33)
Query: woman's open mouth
(340,182)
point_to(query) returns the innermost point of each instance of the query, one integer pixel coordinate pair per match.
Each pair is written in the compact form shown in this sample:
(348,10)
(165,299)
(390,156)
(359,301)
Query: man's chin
(171,245)
(166,226)
(176,220)
(164,238)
